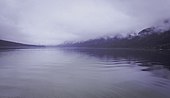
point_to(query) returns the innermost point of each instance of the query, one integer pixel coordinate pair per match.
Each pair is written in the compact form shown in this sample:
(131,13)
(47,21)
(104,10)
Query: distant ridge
(10,44)
(155,37)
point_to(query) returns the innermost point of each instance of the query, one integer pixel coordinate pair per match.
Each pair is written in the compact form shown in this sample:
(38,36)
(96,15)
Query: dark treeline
(146,39)
(8,44)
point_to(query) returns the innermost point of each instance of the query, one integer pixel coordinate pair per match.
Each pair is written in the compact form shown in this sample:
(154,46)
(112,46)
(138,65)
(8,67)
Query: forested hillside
(147,38)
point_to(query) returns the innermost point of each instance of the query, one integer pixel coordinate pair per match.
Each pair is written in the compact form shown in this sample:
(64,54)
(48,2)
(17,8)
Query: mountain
(9,44)
(155,37)
(160,28)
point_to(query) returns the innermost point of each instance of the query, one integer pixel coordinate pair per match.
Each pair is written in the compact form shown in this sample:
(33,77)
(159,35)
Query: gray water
(84,73)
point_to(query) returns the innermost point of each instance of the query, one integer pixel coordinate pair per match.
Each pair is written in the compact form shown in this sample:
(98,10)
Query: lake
(84,73)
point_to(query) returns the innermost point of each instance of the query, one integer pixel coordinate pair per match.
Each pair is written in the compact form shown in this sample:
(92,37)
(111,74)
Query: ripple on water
(81,74)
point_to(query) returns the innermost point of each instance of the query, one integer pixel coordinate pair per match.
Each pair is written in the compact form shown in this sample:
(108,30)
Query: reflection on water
(84,73)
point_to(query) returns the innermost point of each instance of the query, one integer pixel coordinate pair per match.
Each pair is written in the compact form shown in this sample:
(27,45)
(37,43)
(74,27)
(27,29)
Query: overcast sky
(57,21)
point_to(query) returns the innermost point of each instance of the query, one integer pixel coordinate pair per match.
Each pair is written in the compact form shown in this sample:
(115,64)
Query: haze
(51,22)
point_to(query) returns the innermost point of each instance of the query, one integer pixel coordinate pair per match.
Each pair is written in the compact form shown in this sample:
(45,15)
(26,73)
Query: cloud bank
(57,21)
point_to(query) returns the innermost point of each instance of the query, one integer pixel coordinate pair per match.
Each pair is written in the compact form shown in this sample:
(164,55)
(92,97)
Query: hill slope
(9,44)
(149,38)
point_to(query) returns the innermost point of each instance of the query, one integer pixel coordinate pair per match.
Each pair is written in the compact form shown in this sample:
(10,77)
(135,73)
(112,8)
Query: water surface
(84,73)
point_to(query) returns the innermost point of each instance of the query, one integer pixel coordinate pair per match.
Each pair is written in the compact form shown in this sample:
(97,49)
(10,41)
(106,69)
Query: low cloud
(57,21)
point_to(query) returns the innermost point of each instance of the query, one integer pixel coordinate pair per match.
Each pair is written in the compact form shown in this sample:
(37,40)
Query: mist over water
(84,73)
(33,64)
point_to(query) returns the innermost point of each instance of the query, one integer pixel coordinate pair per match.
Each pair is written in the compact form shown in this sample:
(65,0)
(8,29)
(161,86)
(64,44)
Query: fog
(52,22)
